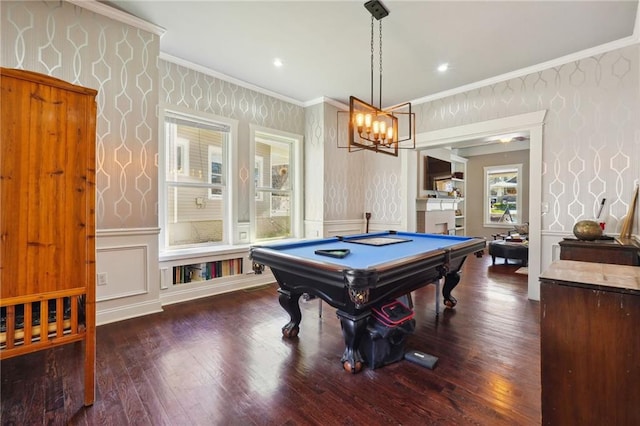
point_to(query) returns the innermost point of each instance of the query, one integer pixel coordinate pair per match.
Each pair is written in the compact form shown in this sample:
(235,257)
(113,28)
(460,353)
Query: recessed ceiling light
(443,67)
(277,62)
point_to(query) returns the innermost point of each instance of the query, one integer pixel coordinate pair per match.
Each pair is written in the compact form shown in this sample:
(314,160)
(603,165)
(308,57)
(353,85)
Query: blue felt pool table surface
(363,256)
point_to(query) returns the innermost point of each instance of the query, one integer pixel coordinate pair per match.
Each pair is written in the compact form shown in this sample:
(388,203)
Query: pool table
(376,268)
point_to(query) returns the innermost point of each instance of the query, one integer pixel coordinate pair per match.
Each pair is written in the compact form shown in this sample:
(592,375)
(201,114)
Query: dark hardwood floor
(223,361)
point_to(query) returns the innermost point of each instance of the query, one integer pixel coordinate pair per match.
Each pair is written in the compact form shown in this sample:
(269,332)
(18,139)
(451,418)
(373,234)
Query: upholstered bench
(509,250)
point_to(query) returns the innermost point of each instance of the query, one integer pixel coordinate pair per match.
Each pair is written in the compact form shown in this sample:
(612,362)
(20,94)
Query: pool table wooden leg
(353,329)
(289,301)
(451,280)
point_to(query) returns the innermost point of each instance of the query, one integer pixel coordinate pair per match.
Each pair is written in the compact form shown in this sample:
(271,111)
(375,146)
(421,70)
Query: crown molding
(126,18)
(229,79)
(118,15)
(573,57)
(326,100)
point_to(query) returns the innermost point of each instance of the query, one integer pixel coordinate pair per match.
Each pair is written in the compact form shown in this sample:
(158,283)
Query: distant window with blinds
(195,191)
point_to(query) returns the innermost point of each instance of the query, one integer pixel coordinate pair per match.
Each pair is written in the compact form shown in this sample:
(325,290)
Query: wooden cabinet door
(47,158)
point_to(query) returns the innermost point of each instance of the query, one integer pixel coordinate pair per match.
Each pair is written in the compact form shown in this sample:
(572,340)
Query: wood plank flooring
(223,361)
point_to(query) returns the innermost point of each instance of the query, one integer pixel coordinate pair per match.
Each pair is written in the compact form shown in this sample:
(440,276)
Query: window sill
(500,225)
(217,250)
(195,252)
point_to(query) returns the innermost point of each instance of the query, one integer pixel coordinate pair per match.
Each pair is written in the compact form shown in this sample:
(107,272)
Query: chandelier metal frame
(374,128)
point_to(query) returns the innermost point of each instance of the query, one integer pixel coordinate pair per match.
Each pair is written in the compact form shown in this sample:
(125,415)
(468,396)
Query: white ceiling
(325,45)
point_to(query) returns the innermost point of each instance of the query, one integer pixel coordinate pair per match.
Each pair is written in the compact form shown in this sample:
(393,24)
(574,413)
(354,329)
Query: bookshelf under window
(207,270)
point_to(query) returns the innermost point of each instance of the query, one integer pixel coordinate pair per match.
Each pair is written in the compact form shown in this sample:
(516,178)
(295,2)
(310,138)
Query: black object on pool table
(339,253)
(377,241)
(422,359)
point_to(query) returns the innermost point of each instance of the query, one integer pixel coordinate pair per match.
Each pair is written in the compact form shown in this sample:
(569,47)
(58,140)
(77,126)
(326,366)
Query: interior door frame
(532,123)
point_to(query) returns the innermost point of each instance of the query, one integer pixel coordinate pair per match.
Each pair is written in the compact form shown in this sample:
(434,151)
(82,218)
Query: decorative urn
(587,230)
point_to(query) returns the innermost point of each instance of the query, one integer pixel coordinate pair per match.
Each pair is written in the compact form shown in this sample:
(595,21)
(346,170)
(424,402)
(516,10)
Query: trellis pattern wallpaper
(88,49)
(121,62)
(383,191)
(591,147)
(344,171)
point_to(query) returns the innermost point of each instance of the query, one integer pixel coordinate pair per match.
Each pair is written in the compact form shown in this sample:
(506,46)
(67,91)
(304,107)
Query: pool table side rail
(458,250)
(463,248)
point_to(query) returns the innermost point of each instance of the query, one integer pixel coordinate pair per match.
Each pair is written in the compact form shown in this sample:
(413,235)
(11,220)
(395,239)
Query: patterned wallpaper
(88,49)
(121,62)
(383,193)
(591,147)
(344,171)
(191,89)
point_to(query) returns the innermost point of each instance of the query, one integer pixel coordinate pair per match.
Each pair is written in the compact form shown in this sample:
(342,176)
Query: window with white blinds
(196,169)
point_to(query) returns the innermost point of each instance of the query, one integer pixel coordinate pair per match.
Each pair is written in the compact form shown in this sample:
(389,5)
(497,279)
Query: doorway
(530,123)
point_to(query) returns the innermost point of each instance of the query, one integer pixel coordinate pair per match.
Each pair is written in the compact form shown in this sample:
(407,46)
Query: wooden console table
(617,251)
(590,346)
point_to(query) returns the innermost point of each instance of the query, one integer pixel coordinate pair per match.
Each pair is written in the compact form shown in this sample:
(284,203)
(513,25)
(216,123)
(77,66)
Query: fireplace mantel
(436,215)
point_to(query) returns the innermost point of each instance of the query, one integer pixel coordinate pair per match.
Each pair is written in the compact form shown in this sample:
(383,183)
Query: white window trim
(259,164)
(183,145)
(220,153)
(295,173)
(486,214)
(230,207)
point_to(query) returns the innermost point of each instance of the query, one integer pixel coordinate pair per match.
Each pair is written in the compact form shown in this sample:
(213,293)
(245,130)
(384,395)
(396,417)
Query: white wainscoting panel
(129,258)
(125,269)
(344,227)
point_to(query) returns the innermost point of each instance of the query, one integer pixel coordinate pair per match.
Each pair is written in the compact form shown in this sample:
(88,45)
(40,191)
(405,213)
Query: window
(193,197)
(502,195)
(276,157)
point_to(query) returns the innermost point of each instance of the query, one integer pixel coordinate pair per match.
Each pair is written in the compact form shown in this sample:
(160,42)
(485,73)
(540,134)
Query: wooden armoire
(47,217)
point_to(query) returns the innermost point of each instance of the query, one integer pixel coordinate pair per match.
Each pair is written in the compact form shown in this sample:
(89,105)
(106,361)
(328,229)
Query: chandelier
(374,128)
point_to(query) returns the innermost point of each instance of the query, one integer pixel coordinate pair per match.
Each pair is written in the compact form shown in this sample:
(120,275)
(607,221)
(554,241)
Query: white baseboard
(212,288)
(120,313)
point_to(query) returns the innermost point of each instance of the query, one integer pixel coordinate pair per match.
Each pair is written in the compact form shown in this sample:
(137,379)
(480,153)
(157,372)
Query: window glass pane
(275,222)
(193,218)
(188,153)
(503,196)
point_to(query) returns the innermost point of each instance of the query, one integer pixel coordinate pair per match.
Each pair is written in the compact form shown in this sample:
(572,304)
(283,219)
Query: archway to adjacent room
(530,123)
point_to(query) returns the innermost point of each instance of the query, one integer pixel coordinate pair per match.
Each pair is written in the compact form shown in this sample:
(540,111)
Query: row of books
(206,271)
